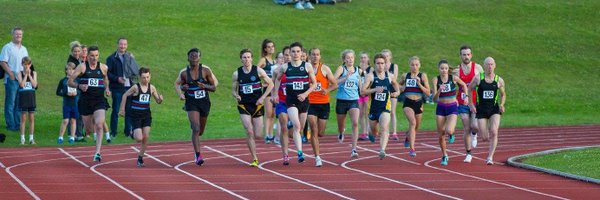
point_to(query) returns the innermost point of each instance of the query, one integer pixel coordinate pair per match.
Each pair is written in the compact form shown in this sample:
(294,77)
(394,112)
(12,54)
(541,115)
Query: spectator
(27,85)
(122,73)
(10,58)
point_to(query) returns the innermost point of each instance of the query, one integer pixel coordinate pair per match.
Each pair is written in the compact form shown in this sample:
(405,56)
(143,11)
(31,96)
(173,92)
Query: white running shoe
(489,162)
(318,161)
(474,140)
(354,154)
(468,158)
(340,138)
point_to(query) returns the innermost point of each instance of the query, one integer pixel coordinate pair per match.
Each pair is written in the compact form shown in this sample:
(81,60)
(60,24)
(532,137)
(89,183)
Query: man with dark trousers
(122,73)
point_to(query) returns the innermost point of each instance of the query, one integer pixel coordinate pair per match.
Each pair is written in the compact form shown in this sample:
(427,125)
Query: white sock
(22,137)
(107,135)
(71,138)
(31,137)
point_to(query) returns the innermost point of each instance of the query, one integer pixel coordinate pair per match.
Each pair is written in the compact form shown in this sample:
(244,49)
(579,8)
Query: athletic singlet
(297,79)
(487,92)
(363,74)
(316,97)
(349,90)
(250,89)
(95,81)
(281,92)
(391,69)
(194,92)
(140,103)
(411,86)
(447,89)
(27,92)
(268,68)
(467,78)
(381,100)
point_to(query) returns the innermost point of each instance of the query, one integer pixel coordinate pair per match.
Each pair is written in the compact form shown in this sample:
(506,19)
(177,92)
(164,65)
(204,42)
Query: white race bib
(411,82)
(445,87)
(28,86)
(199,94)
(247,89)
(488,94)
(318,86)
(71,90)
(350,84)
(144,98)
(297,85)
(92,82)
(380,96)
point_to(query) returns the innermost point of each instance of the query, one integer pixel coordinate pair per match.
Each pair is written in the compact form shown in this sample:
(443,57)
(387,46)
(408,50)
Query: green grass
(582,162)
(546,51)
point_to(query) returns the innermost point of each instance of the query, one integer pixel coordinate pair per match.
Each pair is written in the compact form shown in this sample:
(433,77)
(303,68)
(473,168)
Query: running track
(60,173)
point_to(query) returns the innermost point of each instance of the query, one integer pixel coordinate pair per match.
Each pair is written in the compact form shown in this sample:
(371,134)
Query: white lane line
(392,180)
(2,165)
(93,168)
(207,182)
(21,182)
(491,181)
(73,157)
(279,174)
(153,158)
(391,156)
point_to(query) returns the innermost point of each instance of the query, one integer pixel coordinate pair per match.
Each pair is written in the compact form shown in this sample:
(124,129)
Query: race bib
(247,89)
(71,90)
(350,84)
(488,94)
(318,87)
(411,82)
(380,96)
(199,94)
(28,85)
(144,98)
(445,87)
(92,82)
(297,85)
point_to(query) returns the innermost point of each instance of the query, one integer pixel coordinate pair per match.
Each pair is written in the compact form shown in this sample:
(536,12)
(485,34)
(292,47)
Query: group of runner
(295,88)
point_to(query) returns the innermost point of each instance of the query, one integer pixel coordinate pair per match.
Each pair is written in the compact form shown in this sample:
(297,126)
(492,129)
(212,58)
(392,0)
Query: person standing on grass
(489,104)
(318,111)
(467,70)
(247,91)
(27,86)
(300,83)
(69,108)
(192,85)
(141,117)
(122,72)
(348,79)
(267,63)
(415,85)
(445,88)
(393,69)
(10,59)
(363,100)
(93,82)
(379,85)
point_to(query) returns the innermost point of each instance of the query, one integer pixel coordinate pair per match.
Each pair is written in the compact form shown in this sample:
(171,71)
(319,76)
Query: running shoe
(406,142)
(468,158)
(289,124)
(140,161)
(304,140)
(308,5)
(363,137)
(286,160)
(199,160)
(444,160)
(22,141)
(71,141)
(354,154)
(276,141)
(474,140)
(59,141)
(340,138)
(372,138)
(300,157)
(318,161)
(31,141)
(381,154)
(395,137)
(412,153)
(254,163)
(267,140)
(451,138)
(299,6)
(97,158)
(489,161)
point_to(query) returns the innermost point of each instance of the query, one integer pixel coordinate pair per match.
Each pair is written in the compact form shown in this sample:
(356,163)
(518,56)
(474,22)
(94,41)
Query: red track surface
(51,173)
